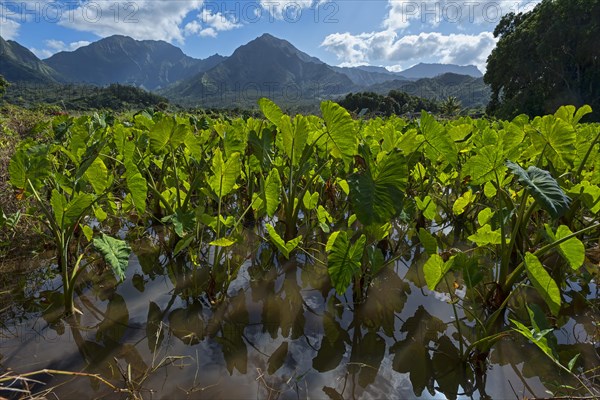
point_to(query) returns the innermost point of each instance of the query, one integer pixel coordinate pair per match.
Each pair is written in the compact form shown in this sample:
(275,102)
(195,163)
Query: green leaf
(59,205)
(97,176)
(224,173)
(285,247)
(485,216)
(310,201)
(28,164)
(462,202)
(376,196)
(344,260)
(543,283)
(572,250)
(167,134)
(115,252)
(543,187)
(434,269)
(271,111)
(341,131)
(222,242)
(294,136)
(485,166)
(137,186)
(428,241)
(272,192)
(556,138)
(75,208)
(428,206)
(439,143)
(88,232)
(485,235)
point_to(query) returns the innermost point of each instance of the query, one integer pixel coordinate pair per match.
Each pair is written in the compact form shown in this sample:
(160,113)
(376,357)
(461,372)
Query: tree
(451,106)
(546,58)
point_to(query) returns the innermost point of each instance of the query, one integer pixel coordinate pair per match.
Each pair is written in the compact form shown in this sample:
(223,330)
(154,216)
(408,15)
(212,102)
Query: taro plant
(67,179)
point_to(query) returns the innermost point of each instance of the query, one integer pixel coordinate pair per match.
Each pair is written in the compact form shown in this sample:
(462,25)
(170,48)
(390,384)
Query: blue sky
(392,33)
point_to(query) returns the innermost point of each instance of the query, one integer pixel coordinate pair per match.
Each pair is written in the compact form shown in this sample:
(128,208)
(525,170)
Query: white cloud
(9,25)
(402,13)
(218,21)
(208,32)
(55,46)
(387,46)
(141,19)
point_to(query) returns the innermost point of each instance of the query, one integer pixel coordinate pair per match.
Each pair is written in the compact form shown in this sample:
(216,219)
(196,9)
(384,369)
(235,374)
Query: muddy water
(275,331)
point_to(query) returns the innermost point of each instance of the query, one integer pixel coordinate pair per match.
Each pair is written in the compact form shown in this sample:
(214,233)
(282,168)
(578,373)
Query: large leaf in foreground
(224,173)
(115,252)
(543,282)
(341,131)
(344,260)
(572,250)
(376,196)
(543,187)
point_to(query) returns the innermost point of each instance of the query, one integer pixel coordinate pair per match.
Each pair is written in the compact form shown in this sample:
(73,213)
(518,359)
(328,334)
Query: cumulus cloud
(9,22)
(388,47)
(55,46)
(141,19)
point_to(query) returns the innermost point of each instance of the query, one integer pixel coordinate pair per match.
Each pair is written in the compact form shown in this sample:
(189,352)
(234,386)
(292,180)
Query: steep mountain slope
(266,66)
(18,64)
(120,59)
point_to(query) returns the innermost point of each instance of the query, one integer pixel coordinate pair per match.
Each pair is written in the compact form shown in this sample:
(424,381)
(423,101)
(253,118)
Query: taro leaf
(167,133)
(543,187)
(272,192)
(341,131)
(556,139)
(26,165)
(543,283)
(75,209)
(485,165)
(294,136)
(222,242)
(271,111)
(262,147)
(344,260)
(137,185)
(115,252)
(572,250)
(428,241)
(537,338)
(376,196)
(97,176)
(485,235)
(439,142)
(59,204)
(285,247)
(462,202)
(434,269)
(224,174)
(277,358)
(309,200)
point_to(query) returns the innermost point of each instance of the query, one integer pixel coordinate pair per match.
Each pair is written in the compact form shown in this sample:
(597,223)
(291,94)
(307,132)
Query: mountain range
(264,67)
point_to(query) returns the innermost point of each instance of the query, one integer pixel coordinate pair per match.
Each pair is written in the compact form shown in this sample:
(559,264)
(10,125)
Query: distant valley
(264,67)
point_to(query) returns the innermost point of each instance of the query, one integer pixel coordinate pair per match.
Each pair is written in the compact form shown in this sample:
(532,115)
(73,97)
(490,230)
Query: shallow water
(275,331)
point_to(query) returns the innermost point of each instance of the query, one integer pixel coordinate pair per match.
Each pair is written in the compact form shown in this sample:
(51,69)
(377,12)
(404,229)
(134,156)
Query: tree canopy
(546,58)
